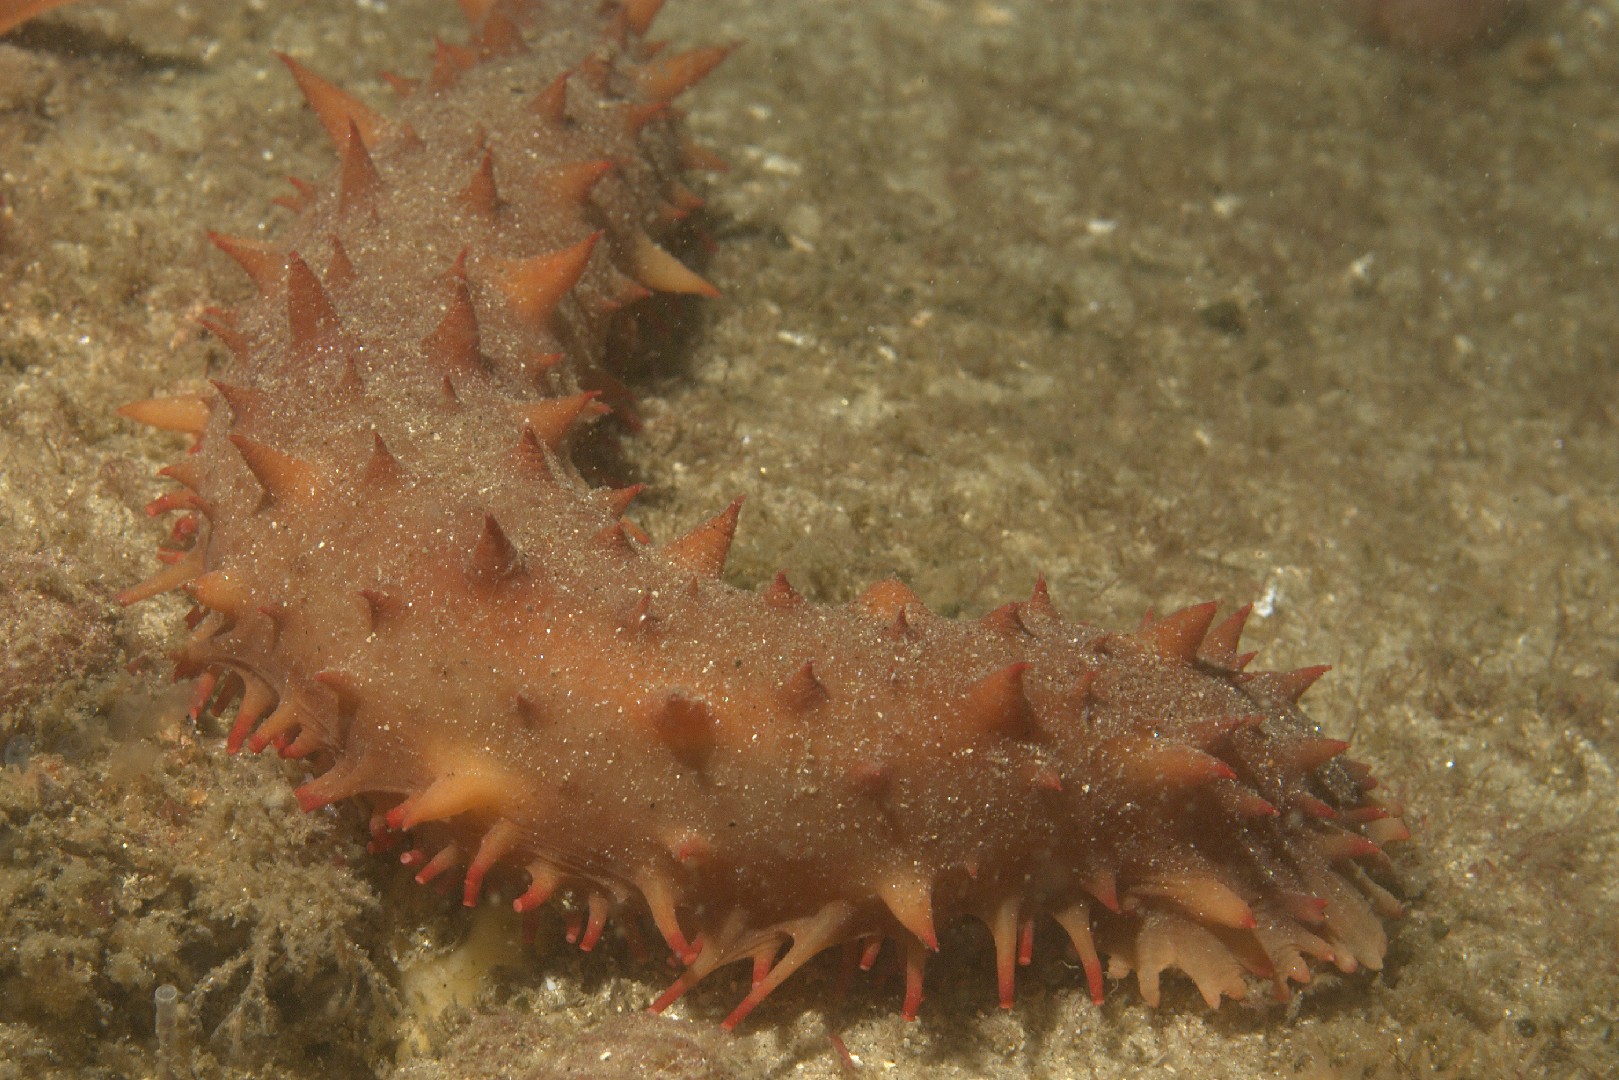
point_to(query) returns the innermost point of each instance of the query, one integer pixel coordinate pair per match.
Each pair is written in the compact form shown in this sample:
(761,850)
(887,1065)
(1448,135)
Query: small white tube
(166,1009)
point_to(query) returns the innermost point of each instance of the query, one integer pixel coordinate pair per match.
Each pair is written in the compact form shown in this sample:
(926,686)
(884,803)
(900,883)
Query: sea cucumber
(400,577)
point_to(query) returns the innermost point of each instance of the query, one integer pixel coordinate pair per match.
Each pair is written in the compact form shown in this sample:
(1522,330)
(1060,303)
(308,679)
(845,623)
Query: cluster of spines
(995,704)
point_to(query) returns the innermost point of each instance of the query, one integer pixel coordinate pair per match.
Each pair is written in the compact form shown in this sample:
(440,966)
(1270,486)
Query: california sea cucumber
(401,577)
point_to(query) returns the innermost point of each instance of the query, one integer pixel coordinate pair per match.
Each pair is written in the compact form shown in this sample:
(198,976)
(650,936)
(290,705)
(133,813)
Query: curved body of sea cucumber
(401,578)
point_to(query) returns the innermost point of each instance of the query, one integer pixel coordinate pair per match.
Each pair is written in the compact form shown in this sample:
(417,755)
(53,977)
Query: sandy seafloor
(1168,301)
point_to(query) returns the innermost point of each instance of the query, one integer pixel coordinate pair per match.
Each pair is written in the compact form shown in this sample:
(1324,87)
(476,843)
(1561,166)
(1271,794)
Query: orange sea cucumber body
(400,576)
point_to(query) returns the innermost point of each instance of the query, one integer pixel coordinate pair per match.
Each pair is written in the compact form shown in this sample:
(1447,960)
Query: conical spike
(185,472)
(657,269)
(886,600)
(703,550)
(666,77)
(358,180)
(399,84)
(1220,644)
(700,158)
(187,413)
(1390,830)
(1208,734)
(1302,907)
(480,196)
(637,115)
(336,108)
(1311,806)
(1082,693)
(380,607)
(552,103)
(382,469)
(669,215)
(1047,779)
(1203,896)
(780,594)
(302,197)
(276,615)
(1160,765)
(996,704)
(222,325)
(1250,804)
(553,418)
(619,499)
(493,556)
(340,272)
(1382,901)
(1039,602)
(623,291)
(530,714)
(683,198)
(350,387)
(449,63)
(1177,636)
(477,10)
(1310,754)
(346,690)
(219,592)
(170,577)
(910,900)
(638,15)
(1006,620)
(1340,844)
(1360,773)
(540,364)
(686,725)
(870,778)
(615,539)
(264,262)
(596,71)
(453,346)
(461,58)
(572,183)
(641,621)
(500,37)
(534,287)
(311,318)
(535,458)
(474,785)
(1286,686)
(281,475)
(803,691)
(246,402)
(1103,883)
